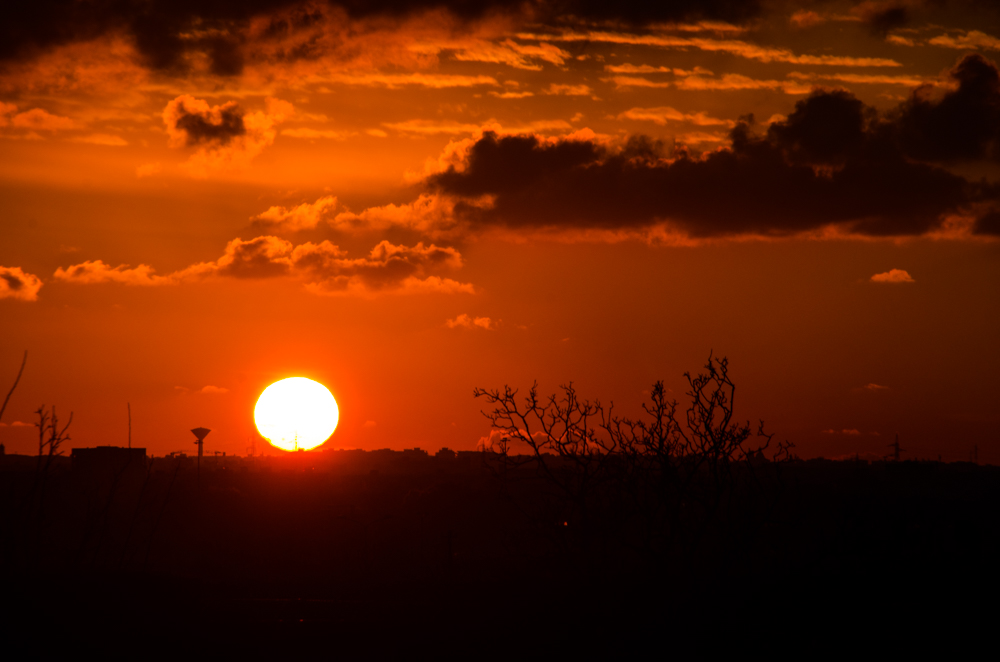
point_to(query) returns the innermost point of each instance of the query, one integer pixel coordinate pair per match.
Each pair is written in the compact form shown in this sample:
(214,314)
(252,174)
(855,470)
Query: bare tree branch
(11,391)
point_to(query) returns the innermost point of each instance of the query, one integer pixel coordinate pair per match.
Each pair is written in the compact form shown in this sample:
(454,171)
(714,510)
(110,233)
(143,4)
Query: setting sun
(296,414)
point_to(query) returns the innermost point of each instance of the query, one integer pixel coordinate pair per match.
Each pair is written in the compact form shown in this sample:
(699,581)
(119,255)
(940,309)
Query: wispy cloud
(450,127)
(973,39)
(509,52)
(395,81)
(36,119)
(512,95)
(727,82)
(663,114)
(317,133)
(106,139)
(864,79)
(569,90)
(732,46)
(636,81)
(96,271)
(741,82)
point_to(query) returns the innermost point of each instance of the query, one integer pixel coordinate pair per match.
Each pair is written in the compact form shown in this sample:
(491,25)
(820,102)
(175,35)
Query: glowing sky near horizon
(408,200)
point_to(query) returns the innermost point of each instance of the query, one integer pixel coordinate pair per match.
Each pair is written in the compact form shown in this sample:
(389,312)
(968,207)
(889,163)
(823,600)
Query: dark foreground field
(379,551)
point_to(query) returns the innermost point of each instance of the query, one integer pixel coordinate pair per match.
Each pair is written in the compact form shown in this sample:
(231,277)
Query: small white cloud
(370,424)
(213,390)
(20,424)
(893,276)
(467,322)
(876,387)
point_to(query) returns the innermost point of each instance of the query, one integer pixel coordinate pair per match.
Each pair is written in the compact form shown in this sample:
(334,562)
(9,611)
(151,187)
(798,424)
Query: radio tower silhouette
(896,450)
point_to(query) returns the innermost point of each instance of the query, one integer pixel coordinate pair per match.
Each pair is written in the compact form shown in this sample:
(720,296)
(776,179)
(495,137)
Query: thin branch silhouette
(16,380)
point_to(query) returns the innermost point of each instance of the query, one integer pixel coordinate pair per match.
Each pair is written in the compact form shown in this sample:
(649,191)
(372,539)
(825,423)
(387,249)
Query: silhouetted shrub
(669,482)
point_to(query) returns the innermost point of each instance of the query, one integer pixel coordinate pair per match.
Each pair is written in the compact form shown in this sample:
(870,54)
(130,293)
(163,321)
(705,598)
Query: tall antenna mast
(129,405)
(896,450)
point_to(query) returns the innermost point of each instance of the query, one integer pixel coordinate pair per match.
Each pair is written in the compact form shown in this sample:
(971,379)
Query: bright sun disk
(296,413)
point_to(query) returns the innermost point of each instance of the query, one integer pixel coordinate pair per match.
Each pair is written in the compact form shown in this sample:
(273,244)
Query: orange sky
(408,200)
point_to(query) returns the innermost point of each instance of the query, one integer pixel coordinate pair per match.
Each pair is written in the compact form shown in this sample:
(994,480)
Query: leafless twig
(11,391)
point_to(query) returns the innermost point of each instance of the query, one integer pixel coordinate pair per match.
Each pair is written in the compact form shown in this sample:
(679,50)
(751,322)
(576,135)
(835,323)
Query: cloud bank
(171,36)
(324,268)
(833,162)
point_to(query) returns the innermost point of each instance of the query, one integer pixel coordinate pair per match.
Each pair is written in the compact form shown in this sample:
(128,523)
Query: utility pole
(129,405)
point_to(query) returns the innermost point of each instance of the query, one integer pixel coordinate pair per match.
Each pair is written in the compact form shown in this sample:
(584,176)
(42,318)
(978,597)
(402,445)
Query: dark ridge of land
(353,543)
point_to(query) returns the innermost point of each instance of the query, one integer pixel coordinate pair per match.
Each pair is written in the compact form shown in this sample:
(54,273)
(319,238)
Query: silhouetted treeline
(453,542)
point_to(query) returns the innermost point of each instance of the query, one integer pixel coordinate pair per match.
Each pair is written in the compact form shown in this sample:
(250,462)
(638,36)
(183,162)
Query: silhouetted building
(108,459)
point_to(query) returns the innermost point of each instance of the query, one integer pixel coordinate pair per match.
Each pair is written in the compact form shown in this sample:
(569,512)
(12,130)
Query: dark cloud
(489,162)
(162,30)
(201,124)
(886,19)
(824,129)
(988,224)
(962,125)
(165,31)
(749,188)
(832,161)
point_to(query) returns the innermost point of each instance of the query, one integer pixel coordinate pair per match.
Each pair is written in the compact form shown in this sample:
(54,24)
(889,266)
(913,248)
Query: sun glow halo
(296,413)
